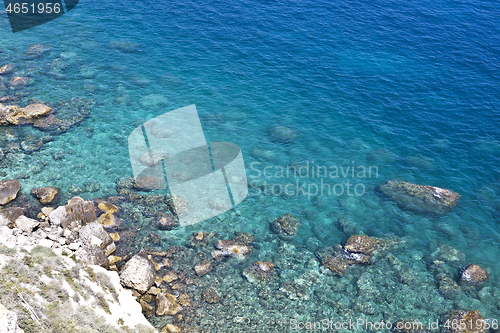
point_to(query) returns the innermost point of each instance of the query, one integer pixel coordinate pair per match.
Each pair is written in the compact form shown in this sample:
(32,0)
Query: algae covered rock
(8,190)
(474,275)
(286,226)
(167,304)
(463,321)
(420,198)
(203,268)
(361,244)
(260,271)
(231,248)
(46,195)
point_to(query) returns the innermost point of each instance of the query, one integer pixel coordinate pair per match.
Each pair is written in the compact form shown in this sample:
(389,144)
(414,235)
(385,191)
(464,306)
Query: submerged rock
(6,69)
(260,271)
(230,248)
(472,322)
(37,50)
(19,81)
(167,222)
(167,304)
(361,244)
(47,195)
(211,296)
(420,198)
(8,190)
(203,268)
(11,114)
(474,275)
(286,226)
(138,273)
(282,134)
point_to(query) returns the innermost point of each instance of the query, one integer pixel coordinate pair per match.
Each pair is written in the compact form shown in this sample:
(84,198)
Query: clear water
(410,88)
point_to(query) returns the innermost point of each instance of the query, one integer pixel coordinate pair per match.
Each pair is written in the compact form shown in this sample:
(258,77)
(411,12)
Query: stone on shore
(77,212)
(138,273)
(420,198)
(8,190)
(26,224)
(94,234)
(47,195)
(93,255)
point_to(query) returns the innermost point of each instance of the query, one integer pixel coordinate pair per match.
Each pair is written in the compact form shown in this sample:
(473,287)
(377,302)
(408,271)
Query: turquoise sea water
(410,89)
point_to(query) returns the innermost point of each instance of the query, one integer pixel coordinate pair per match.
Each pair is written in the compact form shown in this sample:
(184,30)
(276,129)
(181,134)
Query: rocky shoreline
(186,284)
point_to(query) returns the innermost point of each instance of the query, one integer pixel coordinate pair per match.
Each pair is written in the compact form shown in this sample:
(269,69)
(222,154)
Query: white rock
(26,224)
(8,321)
(46,242)
(95,241)
(57,215)
(74,246)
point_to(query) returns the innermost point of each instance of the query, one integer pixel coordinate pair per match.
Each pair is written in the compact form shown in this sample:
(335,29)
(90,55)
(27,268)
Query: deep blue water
(409,87)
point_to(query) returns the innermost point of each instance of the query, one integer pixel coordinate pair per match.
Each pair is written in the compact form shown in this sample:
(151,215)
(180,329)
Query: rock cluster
(420,198)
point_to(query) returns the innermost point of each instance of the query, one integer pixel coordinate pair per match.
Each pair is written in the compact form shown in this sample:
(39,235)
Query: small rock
(37,50)
(211,296)
(45,242)
(11,214)
(47,195)
(230,248)
(361,244)
(8,190)
(259,271)
(472,320)
(167,304)
(419,198)
(167,222)
(8,321)
(93,255)
(204,268)
(108,207)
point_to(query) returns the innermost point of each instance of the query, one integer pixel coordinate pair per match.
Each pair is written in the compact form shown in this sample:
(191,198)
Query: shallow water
(411,89)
